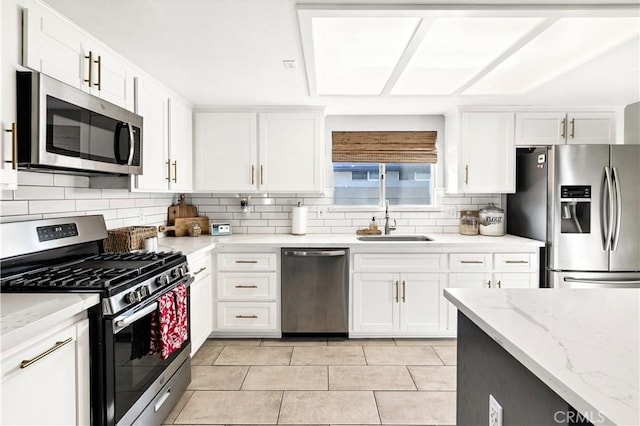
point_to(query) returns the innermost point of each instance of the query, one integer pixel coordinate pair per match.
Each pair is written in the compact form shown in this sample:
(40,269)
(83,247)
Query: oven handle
(127,321)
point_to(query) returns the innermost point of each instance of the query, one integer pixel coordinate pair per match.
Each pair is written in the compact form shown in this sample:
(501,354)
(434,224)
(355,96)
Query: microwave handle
(131,144)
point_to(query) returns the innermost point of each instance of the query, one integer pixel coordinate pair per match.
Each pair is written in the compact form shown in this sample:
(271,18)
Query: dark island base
(484,368)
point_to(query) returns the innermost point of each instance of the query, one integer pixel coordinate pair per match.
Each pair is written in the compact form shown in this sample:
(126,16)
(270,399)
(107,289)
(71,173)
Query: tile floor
(320,382)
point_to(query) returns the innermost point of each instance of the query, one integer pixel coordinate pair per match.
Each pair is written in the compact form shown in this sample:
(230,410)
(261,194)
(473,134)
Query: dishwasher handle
(314,253)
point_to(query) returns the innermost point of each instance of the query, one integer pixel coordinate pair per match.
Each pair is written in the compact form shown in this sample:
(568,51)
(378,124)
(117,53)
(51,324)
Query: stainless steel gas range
(130,384)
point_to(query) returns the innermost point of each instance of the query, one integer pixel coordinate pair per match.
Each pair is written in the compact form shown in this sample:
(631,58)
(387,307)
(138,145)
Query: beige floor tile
(434,377)
(361,342)
(234,342)
(206,355)
(294,342)
(329,355)
(286,378)
(307,407)
(448,354)
(225,407)
(217,377)
(401,355)
(249,355)
(178,408)
(370,377)
(417,408)
(426,342)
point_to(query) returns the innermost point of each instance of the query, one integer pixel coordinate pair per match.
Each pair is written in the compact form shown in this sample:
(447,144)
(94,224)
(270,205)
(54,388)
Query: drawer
(515,262)
(405,262)
(246,286)
(200,267)
(247,316)
(246,261)
(470,262)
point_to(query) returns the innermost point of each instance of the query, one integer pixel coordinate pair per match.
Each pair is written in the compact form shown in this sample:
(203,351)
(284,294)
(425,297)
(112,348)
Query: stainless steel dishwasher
(315,291)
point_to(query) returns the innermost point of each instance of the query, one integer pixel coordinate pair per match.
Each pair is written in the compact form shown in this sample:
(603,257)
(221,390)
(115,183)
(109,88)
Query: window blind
(384,147)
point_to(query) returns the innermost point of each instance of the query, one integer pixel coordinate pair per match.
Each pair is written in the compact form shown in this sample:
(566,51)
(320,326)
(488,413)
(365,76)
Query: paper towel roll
(299,220)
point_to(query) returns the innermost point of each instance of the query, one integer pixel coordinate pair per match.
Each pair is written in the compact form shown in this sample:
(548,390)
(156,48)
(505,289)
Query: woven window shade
(384,147)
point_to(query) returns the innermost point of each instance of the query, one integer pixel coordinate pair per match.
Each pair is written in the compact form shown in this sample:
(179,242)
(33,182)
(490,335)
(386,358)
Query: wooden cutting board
(181,226)
(182,209)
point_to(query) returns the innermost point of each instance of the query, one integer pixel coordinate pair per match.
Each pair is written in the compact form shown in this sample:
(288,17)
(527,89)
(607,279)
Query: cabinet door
(463,280)
(420,302)
(151,104)
(376,299)
(201,311)
(10,58)
(180,145)
(591,128)
(514,280)
(111,79)
(488,153)
(540,128)
(226,152)
(291,152)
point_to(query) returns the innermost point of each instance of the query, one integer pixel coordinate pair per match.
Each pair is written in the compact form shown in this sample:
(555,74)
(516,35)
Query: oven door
(135,376)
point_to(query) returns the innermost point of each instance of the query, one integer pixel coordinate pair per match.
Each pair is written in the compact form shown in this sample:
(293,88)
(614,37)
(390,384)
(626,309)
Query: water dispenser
(575,209)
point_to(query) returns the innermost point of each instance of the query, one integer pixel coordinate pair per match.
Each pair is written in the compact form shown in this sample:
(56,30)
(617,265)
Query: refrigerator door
(625,241)
(580,208)
(595,279)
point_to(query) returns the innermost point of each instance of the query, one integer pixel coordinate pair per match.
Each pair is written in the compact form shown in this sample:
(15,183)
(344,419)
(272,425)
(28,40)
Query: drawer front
(200,267)
(247,261)
(515,262)
(470,262)
(247,316)
(246,286)
(405,262)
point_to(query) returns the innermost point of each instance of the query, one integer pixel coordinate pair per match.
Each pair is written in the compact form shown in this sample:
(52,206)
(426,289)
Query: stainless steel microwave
(63,128)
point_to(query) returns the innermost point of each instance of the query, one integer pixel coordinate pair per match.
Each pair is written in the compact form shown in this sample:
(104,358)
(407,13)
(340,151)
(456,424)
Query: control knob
(133,297)
(162,280)
(178,272)
(144,291)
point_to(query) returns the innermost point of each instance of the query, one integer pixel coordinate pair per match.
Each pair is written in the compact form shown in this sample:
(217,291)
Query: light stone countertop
(582,343)
(24,315)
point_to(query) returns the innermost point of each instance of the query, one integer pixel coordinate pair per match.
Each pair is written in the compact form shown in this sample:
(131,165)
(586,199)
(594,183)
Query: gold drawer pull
(90,79)
(246,286)
(499,284)
(404,292)
(14,146)
(58,345)
(472,261)
(246,261)
(396,287)
(516,261)
(247,316)
(99,62)
(204,268)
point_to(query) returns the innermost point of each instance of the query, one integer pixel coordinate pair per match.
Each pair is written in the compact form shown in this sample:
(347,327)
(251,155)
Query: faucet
(387,227)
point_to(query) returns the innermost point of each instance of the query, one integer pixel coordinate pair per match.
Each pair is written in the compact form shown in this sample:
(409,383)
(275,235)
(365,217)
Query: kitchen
(254,183)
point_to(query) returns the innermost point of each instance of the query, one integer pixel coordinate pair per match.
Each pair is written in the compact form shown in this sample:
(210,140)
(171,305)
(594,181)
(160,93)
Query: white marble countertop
(25,315)
(189,245)
(582,343)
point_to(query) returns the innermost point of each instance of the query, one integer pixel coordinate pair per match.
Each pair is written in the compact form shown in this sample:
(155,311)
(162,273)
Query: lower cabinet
(45,380)
(201,301)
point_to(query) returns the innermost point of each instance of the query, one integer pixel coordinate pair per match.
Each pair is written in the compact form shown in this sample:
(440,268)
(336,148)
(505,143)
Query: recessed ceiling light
(289,64)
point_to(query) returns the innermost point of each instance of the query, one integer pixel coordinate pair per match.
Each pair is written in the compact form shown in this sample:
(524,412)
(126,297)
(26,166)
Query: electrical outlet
(452,212)
(321,211)
(495,412)
(141,217)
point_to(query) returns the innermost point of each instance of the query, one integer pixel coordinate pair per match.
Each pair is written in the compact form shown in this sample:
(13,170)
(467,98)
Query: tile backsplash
(47,195)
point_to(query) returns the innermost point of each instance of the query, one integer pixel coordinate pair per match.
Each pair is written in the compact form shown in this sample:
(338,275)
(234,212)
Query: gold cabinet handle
(261,175)
(14,146)
(175,171)
(90,79)
(204,268)
(396,287)
(246,286)
(247,316)
(499,283)
(489,283)
(246,261)
(253,175)
(472,261)
(169,170)
(466,174)
(99,62)
(58,345)
(563,128)
(573,128)
(516,261)
(404,291)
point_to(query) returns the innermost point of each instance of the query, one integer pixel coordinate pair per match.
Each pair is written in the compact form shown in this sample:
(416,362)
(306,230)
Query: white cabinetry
(480,153)
(201,300)
(247,294)
(45,380)
(167,139)
(259,152)
(557,128)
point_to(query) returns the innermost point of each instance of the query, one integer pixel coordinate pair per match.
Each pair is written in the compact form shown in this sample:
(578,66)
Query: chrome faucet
(387,227)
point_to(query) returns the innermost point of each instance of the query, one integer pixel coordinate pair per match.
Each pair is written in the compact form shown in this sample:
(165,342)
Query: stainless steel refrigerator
(584,201)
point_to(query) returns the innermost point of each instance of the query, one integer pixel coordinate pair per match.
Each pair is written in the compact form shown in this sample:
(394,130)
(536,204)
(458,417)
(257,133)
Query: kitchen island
(548,356)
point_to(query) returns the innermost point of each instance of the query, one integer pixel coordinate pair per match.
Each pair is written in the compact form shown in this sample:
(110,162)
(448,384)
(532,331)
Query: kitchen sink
(394,238)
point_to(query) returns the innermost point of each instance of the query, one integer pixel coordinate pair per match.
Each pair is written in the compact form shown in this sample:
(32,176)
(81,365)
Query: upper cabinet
(265,152)
(557,128)
(57,47)
(480,153)
(10,56)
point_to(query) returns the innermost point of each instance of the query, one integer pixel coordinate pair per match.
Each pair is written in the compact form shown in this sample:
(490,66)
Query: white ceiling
(230,52)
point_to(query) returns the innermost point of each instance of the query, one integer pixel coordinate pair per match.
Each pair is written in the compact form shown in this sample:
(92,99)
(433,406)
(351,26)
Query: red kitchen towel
(169,322)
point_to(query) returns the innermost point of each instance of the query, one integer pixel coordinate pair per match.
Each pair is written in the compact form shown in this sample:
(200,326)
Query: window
(400,168)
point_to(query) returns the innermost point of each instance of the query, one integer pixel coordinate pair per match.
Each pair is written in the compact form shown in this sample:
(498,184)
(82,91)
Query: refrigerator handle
(618,209)
(607,210)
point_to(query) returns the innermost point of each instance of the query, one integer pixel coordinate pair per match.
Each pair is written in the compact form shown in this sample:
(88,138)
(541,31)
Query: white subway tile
(164,202)
(456,201)
(318,230)
(229,201)
(283,230)
(131,221)
(343,229)
(71,181)
(340,222)
(140,195)
(221,216)
(38,193)
(62,214)
(277,222)
(268,208)
(142,202)
(121,203)
(448,222)
(82,193)
(12,208)
(211,209)
(261,230)
(239,230)
(318,201)
(6,194)
(34,179)
(359,215)
(450,229)
(20,218)
(126,213)
(51,206)
(92,205)
(114,223)
(115,193)
(429,229)
(255,223)
(280,215)
(204,201)
(315,222)
(247,216)
(290,201)
(156,219)
(333,215)
(107,214)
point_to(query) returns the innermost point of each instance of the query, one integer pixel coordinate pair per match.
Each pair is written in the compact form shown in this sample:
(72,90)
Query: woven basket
(128,238)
